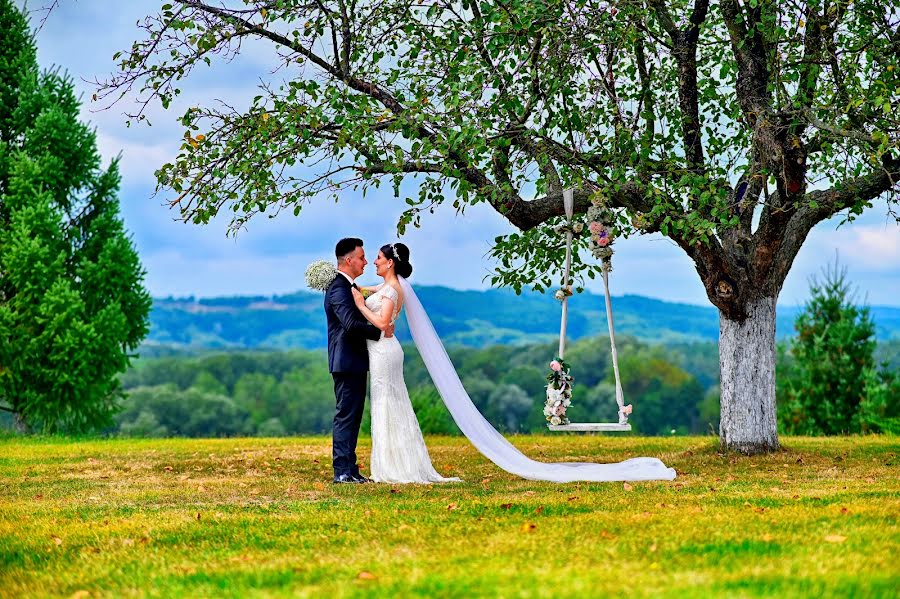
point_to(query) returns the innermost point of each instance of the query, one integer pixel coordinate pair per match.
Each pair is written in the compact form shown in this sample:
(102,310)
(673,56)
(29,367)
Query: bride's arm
(382,320)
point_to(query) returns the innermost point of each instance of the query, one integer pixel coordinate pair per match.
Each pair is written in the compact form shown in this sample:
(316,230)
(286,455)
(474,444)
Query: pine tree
(72,304)
(832,360)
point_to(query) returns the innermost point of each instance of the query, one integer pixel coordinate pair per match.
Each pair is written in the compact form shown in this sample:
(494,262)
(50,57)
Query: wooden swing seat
(590,427)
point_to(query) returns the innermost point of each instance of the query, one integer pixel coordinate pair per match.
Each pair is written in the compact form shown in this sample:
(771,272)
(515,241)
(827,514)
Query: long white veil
(485,437)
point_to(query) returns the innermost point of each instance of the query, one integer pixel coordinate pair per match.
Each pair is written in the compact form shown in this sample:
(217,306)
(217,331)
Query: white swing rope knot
(569,207)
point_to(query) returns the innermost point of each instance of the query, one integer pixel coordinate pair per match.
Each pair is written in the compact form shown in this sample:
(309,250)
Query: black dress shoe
(360,478)
(345,478)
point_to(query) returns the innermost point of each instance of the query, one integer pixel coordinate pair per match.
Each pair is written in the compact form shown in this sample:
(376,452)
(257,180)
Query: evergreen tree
(72,304)
(825,382)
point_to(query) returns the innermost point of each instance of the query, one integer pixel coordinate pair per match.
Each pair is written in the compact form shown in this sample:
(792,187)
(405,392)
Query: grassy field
(260,518)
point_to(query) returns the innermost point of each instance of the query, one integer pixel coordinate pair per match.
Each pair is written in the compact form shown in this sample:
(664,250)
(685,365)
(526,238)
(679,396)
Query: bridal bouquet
(320,274)
(559,392)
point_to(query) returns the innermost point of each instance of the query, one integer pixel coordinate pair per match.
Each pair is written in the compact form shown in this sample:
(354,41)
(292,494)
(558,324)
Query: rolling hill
(470,318)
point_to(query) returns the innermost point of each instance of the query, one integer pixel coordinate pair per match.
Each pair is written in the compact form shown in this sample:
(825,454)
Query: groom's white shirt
(346,276)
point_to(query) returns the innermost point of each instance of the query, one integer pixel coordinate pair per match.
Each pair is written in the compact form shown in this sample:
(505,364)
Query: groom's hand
(389,331)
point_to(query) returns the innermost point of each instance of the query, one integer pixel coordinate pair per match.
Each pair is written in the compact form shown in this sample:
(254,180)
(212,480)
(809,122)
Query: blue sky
(81,36)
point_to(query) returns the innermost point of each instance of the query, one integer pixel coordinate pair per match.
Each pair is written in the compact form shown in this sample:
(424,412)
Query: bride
(399,454)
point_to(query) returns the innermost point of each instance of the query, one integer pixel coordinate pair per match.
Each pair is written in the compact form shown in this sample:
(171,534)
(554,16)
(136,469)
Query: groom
(348,357)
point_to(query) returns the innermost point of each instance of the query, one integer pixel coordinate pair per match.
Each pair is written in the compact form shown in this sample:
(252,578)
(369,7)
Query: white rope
(569,205)
(620,398)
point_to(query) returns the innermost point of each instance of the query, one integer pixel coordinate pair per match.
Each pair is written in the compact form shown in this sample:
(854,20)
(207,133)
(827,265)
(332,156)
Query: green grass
(259,518)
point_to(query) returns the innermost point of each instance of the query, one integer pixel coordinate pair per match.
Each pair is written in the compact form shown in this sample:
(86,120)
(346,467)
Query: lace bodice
(374,301)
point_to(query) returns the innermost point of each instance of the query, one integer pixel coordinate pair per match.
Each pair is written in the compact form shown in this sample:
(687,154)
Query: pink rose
(560,410)
(603,242)
(595,227)
(626,409)
(555,366)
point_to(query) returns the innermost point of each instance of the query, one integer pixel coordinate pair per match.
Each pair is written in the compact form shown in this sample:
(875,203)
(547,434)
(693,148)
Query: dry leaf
(452,507)
(198,516)
(606,535)
(845,510)
(627,487)
(835,538)
(539,510)
(395,491)
(505,506)
(58,541)
(528,527)
(168,468)
(528,493)
(319,486)
(573,497)
(366,576)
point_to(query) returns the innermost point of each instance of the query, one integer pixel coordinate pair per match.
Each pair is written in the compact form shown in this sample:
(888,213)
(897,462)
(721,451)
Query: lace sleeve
(389,292)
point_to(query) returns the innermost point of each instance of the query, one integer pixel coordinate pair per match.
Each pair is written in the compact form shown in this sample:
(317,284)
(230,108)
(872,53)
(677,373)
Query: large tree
(733,129)
(72,306)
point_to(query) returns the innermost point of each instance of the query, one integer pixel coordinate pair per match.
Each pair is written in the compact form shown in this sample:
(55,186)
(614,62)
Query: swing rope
(569,207)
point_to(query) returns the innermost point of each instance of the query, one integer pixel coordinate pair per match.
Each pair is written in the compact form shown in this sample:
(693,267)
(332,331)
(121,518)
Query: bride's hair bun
(399,253)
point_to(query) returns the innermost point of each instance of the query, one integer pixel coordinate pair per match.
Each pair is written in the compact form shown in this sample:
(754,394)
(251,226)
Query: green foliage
(831,370)
(72,306)
(506,383)
(661,105)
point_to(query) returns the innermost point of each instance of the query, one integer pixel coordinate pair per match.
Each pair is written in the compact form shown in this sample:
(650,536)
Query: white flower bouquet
(320,274)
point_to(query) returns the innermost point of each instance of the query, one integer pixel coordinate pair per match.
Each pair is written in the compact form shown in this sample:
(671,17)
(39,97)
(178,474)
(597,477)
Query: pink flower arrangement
(603,241)
(555,366)
(595,228)
(626,409)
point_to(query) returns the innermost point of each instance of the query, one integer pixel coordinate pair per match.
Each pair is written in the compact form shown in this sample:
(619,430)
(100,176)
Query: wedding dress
(399,454)
(386,357)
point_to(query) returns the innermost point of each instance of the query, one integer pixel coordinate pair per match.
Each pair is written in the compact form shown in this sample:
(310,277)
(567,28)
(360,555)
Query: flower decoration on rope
(559,392)
(600,219)
(563,292)
(320,274)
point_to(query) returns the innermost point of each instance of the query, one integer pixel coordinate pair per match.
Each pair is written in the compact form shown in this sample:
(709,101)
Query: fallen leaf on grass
(845,510)
(198,516)
(528,493)
(366,576)
(395,491)
(58,541)
(607,535)
(528,527)
(835,538)
(485,481)
(168,468)
(319,486)
(627,487)
(452,507)
(539,510)
(505,506)
(573,498)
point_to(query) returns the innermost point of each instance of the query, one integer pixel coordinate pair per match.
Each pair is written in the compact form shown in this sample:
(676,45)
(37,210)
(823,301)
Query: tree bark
(20,423)
(747,365)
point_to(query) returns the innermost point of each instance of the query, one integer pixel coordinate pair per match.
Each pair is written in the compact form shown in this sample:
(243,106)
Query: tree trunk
(20,424)
(747,366)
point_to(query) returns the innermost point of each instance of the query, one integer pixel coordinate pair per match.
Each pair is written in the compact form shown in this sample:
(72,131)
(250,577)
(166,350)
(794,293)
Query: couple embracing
(361,340)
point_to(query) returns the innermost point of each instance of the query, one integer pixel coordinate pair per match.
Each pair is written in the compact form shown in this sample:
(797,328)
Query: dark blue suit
(348,362)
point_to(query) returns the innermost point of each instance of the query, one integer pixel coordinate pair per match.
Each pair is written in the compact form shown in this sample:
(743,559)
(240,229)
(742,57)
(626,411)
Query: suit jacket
(347,329)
